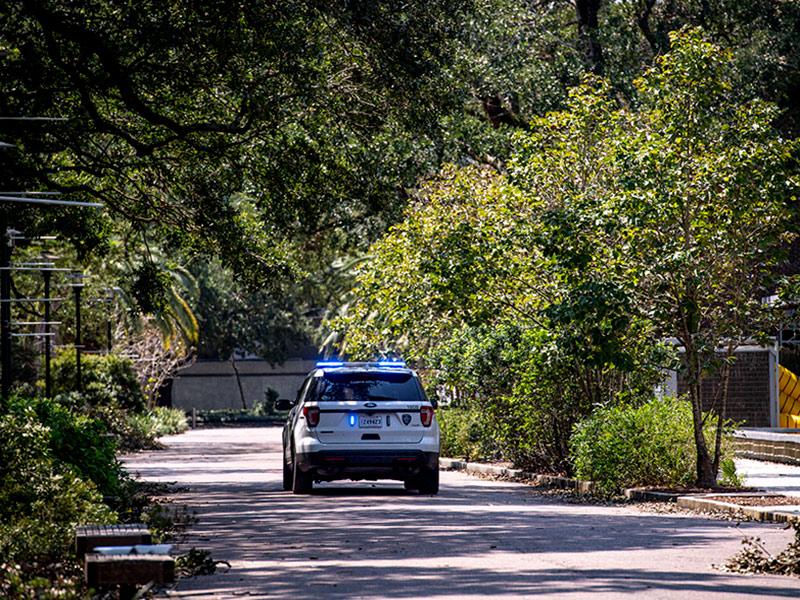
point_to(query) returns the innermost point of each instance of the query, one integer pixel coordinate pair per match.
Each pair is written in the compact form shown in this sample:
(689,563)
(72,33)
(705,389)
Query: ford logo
(370,405)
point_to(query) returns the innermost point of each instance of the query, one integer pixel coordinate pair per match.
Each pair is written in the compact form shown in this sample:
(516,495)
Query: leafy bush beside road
(42,498)
(77,440)
(58,469)
(58,585)
(464,434)
(159,421)
(108,380)
(636,445)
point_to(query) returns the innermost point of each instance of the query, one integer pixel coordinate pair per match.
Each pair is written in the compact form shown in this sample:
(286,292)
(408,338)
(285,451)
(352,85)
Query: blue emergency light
(397,364)
(330,363)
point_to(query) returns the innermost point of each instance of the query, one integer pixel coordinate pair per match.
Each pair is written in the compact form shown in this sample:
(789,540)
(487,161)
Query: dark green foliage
(128,433)
(465,434)
(266,322)
(258,414)
(41,498)
(18,584)
(108,380)
(318,115)
(52,462)
(530,392)
(636,445)
(77,440)
(150,287)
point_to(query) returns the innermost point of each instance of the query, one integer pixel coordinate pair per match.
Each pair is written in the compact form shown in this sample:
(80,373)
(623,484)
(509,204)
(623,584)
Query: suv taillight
(311,413)
(426,415)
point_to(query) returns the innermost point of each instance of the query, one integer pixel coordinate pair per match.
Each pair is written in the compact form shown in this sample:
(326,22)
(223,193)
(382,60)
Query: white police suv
(360,421)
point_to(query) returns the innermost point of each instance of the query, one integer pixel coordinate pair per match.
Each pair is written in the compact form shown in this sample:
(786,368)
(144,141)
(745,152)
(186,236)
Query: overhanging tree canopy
(316,111)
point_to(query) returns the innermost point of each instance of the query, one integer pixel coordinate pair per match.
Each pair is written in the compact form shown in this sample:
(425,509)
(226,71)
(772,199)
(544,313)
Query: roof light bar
(397,364)
(330,363)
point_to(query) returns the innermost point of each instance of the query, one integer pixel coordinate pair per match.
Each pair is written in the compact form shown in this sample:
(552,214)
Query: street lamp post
(5,312)
(77,287)
(48,383)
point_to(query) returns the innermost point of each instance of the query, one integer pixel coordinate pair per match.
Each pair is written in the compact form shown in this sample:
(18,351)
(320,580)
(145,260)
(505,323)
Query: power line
(33,119)
(49,201)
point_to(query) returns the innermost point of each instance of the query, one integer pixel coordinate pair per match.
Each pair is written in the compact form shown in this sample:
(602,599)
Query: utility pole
(36,198)
(108,334)
(5,311)
(48,383)
(77,287)
(109,301)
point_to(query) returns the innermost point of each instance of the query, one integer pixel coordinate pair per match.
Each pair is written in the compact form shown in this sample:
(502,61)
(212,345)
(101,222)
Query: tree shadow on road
(348,539)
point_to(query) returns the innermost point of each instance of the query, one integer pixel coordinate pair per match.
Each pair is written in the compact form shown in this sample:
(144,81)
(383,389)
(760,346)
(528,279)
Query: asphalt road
(476,539)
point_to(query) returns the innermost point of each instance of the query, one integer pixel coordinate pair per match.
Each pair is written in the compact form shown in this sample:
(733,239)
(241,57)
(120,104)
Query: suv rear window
(378,387)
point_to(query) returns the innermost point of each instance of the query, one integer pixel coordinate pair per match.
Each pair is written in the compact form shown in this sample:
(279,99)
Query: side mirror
(283,404)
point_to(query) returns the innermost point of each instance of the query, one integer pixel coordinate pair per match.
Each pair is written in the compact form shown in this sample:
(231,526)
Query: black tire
(410,484)
(287,476)
(428,481)
(302,483)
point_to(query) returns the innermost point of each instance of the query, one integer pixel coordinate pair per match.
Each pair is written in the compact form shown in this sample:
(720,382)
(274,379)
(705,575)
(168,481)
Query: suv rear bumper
(366,464)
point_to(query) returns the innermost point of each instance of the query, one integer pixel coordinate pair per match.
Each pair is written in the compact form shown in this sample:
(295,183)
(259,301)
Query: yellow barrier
(790,398)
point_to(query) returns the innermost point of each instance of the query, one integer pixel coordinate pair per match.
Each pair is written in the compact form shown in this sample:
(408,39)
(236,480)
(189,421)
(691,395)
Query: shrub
(130,430)
(159,421)
(624,445)
(78,440)
(168,421)
(41,499)
(18,584)
(108,380)
(129,433)
(464,434)
(528,391)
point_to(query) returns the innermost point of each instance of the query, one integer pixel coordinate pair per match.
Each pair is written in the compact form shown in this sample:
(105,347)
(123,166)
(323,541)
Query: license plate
(366,422)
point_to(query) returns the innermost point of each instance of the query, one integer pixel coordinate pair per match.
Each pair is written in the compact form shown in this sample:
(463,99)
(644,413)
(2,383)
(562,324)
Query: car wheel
(287,476)
(410,484)
(302,483)
(428,482)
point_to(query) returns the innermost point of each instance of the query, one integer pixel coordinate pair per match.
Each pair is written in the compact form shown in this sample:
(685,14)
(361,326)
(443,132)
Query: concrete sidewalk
(772,477)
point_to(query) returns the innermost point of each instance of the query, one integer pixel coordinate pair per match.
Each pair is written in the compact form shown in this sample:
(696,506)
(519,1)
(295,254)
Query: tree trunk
(587,33)
(725,378)
(643,20)
(238,382)
(706,474)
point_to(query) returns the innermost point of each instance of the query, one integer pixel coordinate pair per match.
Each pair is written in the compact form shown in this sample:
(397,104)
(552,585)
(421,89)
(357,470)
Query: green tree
(233,130)
(624,225)
(471,286)
(706,205)
(679,207)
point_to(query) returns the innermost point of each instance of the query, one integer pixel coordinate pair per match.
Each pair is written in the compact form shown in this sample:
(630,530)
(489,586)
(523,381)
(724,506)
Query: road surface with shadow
(477,538)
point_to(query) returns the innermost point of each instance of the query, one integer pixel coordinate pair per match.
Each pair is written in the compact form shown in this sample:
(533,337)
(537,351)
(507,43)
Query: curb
(704,503)
(699,502)
(553,481)
(643,494)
